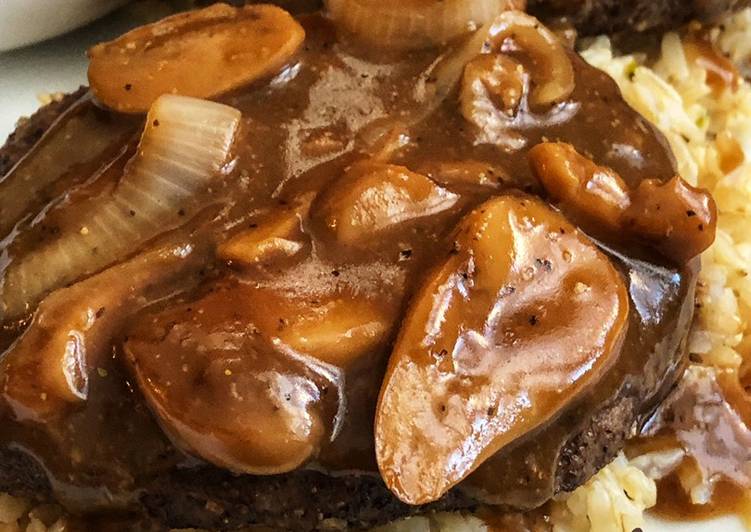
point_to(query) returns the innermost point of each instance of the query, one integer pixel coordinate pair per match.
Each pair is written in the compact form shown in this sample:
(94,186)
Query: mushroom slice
(48,369)
(680,220)
(492,88)
(594,194)
(277,237)
(470,175)
(524,65)
(540,51)
(375,197)
(229,394)
(524,314)
(201,53)
(677,219)
(338,331)
(336,328)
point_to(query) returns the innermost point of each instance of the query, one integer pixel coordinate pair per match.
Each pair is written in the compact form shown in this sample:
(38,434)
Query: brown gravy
(299,133)
(673,504)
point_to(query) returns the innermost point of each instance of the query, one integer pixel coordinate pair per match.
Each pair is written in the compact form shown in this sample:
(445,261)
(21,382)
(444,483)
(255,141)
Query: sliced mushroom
(523,64)
(200,53)
(495,79)
(679,220)
(385,138)
(223,391)
(492,89)
(338,328)
(524,314)
(470,174)
(595,194)
(375,197)
(541,53)
(277,237)
(49,368)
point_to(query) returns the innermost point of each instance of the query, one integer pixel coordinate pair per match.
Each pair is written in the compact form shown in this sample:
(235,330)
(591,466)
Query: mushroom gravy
(255,332)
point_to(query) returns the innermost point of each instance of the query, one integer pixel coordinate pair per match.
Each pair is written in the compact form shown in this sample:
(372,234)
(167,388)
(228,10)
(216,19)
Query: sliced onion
(413,24)
(183,149)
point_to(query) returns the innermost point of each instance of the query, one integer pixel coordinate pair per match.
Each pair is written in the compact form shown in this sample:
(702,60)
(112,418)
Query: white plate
(24,22)
(60,65)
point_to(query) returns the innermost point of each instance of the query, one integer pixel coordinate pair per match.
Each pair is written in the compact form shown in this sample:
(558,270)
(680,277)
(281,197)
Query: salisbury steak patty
(593,17)
(30,130)
(209,497)
(148,475)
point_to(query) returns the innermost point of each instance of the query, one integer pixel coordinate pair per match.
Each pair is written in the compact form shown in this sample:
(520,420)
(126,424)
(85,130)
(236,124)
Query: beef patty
(112,455)
(594,17)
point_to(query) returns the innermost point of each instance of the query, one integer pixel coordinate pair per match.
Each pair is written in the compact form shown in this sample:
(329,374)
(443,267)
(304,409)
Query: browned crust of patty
(30,130)
(593,17)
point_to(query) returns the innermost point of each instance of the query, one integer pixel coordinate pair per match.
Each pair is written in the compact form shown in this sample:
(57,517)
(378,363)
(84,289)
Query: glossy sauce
(714,464)
(300,132)
(673,504)
(721,71)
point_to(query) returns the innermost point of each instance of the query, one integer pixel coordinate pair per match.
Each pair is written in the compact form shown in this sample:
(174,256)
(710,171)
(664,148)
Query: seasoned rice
(704,128)
(707,131)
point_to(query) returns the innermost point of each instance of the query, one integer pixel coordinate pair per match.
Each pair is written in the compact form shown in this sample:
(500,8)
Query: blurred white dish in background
(24,22)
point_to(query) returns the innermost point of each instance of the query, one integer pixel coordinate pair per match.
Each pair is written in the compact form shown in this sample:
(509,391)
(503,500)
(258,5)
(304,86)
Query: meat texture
(593,17)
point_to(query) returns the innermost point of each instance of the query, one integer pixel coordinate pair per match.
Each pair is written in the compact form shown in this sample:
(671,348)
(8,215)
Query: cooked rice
(703,128)
(700,126)
(19,515)
(613,500)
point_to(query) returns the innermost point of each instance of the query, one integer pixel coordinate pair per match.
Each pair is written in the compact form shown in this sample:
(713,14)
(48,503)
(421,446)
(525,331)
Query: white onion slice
(184,148)
(413,24)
